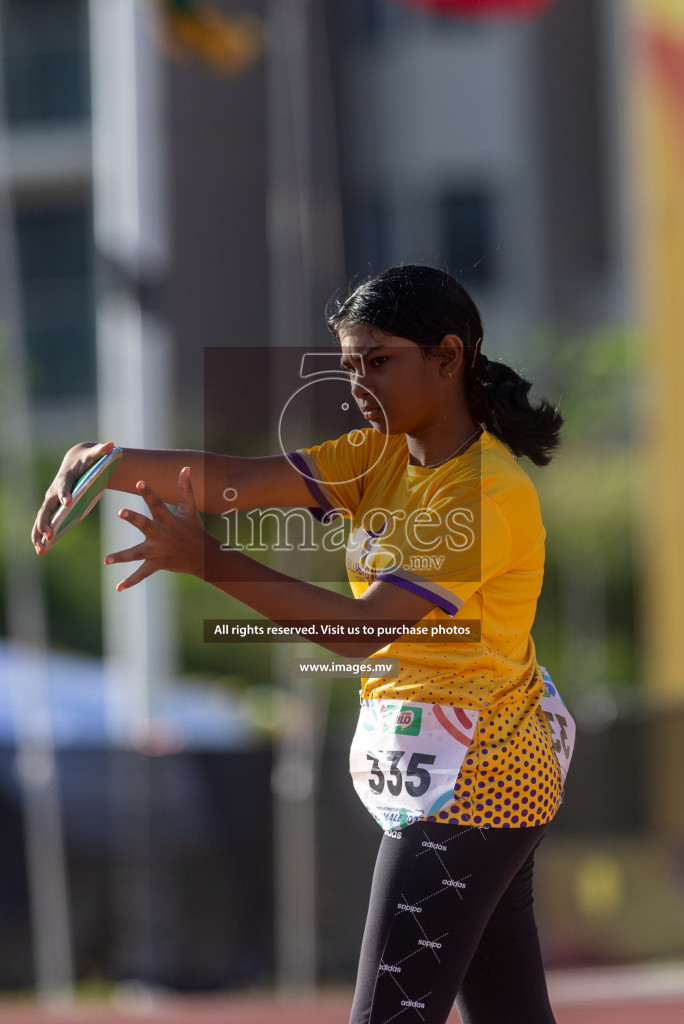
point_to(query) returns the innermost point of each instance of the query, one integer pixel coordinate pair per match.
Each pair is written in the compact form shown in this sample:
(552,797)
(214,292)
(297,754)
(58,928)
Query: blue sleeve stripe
(440,596)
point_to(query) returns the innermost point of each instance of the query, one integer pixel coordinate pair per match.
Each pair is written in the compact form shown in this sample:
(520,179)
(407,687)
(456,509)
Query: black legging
(451,918)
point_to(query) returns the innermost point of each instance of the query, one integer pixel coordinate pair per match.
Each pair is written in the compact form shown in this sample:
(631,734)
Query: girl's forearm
(160,469)
(282,598)
(220,482)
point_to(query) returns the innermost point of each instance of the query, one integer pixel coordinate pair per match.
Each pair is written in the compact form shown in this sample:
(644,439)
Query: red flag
(483,8)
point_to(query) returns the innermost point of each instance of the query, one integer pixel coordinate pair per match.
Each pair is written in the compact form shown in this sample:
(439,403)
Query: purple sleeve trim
(300,463)
(450,605)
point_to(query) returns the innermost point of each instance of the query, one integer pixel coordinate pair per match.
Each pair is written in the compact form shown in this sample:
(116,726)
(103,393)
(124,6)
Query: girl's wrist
(209,557)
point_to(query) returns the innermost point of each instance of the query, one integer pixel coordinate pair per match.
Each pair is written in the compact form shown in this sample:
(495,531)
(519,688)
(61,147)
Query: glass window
(366,18)
(468,235)
(380,19)
(56,266)
(46,60)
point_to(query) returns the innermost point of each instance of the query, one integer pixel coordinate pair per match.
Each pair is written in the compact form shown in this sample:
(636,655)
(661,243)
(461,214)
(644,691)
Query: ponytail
(498,399)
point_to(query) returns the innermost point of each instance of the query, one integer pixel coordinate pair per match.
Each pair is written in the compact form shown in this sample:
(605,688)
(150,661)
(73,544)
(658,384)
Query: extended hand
(76,461)
(173,540)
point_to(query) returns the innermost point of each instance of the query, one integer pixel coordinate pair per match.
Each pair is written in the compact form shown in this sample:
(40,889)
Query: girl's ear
(450,352)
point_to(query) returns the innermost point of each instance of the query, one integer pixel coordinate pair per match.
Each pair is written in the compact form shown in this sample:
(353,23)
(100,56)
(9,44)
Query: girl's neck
(437,446)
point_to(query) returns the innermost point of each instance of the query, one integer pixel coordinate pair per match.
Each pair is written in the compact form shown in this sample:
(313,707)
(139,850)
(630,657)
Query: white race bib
(561,722)
(406,757)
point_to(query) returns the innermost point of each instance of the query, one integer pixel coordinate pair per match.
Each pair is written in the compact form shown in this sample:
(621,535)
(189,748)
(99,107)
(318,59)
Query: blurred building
(45,62)
(216,166)
(494,148)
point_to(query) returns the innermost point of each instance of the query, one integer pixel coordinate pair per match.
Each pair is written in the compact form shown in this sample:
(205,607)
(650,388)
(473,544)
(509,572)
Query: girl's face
(394,383)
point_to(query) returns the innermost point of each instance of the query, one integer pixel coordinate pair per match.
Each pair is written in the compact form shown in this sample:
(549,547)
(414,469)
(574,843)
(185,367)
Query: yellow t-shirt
(468,536)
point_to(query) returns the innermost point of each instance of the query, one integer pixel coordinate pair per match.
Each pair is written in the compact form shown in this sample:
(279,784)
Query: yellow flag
(229,43)
(657,84)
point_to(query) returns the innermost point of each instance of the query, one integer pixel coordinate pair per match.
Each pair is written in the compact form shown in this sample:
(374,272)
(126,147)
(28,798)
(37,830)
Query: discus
(85,495)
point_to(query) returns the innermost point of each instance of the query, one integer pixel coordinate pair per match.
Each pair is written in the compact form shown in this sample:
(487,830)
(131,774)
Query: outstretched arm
(221,481)
(177,541)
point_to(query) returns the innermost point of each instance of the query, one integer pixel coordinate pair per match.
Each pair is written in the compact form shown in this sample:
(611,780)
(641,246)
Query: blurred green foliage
(587,622)
(71,576)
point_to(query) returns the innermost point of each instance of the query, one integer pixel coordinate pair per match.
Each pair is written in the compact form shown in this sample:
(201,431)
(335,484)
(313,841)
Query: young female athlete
(455,757)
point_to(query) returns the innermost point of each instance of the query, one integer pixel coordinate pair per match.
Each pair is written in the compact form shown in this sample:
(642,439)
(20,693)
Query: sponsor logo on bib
(398,718)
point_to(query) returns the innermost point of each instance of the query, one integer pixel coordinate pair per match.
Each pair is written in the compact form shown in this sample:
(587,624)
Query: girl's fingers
(64,483)
(134,554)
(136,519)
(41,537)
(160,541)
(136,577)
(152,500)
(65,479)
(186,495)
(42,532)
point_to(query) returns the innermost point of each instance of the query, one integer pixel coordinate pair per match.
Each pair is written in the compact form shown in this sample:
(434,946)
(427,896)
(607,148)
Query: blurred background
(177,177)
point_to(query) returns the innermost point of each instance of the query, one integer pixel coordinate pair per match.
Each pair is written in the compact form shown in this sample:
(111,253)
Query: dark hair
(423,304)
